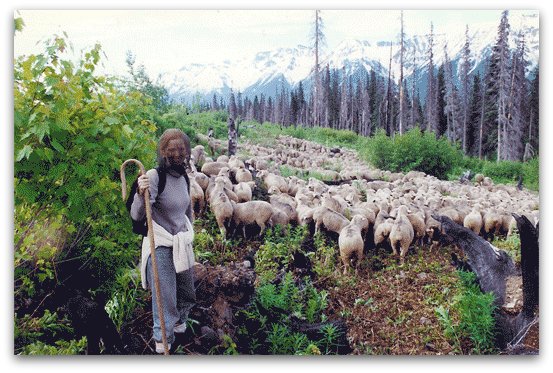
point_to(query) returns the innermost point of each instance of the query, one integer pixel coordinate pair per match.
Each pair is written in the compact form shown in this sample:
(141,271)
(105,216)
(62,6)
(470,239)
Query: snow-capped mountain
(266,71)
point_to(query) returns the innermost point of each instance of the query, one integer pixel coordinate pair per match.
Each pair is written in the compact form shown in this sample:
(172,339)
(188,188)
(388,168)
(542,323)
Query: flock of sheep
(395,207)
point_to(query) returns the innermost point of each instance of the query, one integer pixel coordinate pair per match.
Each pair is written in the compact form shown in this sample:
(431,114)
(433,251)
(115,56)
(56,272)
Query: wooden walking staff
(152,245)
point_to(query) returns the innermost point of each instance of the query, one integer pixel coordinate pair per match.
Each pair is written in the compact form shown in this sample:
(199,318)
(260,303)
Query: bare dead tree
(401,50)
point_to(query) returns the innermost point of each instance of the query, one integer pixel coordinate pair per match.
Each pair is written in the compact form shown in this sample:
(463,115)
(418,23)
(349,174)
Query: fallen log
(495,269)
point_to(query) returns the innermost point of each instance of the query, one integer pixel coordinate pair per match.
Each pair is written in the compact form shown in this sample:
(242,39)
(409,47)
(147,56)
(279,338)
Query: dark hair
(168,135)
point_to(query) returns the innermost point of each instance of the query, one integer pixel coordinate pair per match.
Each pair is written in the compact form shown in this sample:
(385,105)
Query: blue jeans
(177,293)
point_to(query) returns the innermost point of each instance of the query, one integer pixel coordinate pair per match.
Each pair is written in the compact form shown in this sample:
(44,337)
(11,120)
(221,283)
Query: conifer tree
(432,91)
(473,120)
(318,39)
(441,117)
(534,110)
(232,111)
(401,87)
(451,108)
(501,59)
(516,111)
(464,99)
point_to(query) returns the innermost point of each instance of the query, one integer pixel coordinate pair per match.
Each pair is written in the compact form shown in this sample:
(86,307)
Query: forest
(365,148)
(483,111)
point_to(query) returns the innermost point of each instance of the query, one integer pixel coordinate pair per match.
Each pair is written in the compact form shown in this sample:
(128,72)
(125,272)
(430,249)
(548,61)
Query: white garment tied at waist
(183,255)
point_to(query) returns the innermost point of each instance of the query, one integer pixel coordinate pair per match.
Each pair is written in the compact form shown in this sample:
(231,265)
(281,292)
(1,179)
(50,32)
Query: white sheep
(243,191)
(258,212)
(197,197)
(473,220)
(382,225)
(222,208)
(331,220)
(402,233)
(350,242)
(242,175)
(198,155)
(213,168)
(270,179)
(419,226)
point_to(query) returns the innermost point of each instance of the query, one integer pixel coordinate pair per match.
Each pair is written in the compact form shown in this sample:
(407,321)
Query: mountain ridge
(269,70)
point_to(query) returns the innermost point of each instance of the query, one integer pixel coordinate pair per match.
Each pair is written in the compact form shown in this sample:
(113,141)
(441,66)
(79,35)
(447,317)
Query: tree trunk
(232,137)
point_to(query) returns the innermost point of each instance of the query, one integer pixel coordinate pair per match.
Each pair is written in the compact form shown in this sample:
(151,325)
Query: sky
(166,40)
(299,36)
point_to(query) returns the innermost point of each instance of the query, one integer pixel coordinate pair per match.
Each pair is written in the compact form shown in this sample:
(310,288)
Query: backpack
(141,226)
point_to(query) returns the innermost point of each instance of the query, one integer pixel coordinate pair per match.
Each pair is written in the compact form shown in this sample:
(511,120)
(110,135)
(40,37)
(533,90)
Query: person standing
(173,234)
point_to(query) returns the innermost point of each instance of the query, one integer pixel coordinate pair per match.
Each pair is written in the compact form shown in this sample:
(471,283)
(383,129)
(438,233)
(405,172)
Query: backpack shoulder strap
(187,182)
(130,198)
(162,180)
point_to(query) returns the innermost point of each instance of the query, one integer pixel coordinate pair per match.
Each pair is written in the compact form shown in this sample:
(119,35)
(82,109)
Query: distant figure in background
(466,176)
(210,141)
(232,137)
(519,184)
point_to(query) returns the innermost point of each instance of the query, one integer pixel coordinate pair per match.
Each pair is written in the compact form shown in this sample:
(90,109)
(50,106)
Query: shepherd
(168,189)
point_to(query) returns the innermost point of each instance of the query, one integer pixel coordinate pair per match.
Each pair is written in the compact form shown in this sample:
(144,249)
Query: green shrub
(126,296)
(531,174)
(61,347)
(475,311)
(72,131)
(503,171)
(277,250)
(266,322)
(325,256)
(413,150)
(29,329)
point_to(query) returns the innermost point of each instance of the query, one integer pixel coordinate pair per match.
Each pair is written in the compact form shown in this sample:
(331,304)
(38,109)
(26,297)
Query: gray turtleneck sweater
(172,205)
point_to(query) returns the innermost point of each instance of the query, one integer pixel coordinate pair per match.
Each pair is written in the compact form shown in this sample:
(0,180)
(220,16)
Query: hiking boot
(180,328)
(160,349)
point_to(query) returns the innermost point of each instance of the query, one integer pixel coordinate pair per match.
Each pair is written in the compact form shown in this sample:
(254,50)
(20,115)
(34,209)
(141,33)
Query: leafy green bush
(72,130)
(324,257)
(125,296)
(531,174)
(282,341)
(503,171)
(277,250)
(413,150)
(475,311)
(29,329)
(510,244)
(72,347)
(266,322)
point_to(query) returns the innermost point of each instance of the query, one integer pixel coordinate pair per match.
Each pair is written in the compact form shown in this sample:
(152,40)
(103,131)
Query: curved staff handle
(152,244)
